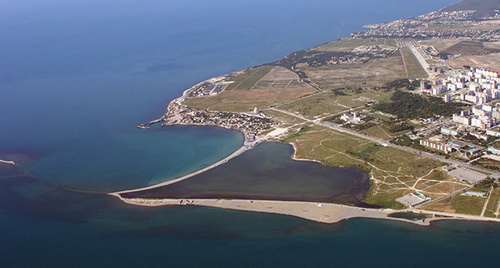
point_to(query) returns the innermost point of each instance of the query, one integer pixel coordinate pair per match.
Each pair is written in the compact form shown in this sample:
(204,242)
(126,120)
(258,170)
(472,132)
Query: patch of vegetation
(402,141)
(410,106)
(402,83)
(301,131)
(316,58)
(409,216)
(367,153)
(362,126)
(487,163)
(384,200)
(486,184)
(467,204)
(400,127)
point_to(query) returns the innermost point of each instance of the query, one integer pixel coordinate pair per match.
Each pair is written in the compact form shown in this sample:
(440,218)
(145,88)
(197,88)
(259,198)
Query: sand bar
(214,165)
(8,162)
(314,211)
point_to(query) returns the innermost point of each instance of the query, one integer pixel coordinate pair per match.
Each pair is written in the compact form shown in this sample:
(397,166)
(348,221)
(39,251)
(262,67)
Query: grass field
(329,103)
(493,204)
(459,204)
(248,78)
(394,172)
(374,73)
(413,67)
(255,87)
(378,132)
(347,44)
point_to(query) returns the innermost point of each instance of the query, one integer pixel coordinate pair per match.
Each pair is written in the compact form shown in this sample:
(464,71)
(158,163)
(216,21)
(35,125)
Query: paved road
(382,142)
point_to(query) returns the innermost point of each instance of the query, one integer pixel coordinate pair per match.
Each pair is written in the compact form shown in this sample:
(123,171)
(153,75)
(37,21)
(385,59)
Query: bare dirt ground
(490,61)
(440,44)
(373,73)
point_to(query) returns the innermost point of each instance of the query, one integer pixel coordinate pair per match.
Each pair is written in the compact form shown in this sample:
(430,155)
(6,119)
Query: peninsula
(413,103)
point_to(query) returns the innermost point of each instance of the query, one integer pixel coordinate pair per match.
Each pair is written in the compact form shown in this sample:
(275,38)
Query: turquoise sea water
(76,77)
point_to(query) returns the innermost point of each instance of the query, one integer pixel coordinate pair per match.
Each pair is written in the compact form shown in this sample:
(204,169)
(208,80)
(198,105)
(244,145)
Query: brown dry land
(491,61)
(439,43)
(413,67)
(374,73)
(255,87)
(469,47)
(492,45)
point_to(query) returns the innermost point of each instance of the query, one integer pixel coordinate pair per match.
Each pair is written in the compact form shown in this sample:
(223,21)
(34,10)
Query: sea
(77,76)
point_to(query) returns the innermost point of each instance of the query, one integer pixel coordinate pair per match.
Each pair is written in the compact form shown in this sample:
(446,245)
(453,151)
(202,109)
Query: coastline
(324,212)
(8,162)
(214,165)
(328,213)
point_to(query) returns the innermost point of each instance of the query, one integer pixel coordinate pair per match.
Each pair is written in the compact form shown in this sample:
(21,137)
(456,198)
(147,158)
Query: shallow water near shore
(267,172)
(99,230)
(78,76)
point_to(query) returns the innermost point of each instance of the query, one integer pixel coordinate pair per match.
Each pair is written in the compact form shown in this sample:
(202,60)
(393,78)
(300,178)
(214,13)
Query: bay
(76,77)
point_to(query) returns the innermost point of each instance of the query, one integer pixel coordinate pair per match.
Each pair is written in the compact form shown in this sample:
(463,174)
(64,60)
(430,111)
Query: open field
(394,173)
(440,43)
(378,132)
(459,204)
(256,87)
(248,78)
(413,66)
(493,204)
(468,48)
(329,103)
(347,44)
(493,45)
(374,73)
(491,61)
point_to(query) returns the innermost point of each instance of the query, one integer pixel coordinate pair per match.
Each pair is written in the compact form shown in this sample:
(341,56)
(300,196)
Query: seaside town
(433,25)
(250,124)
(477,87)
(439,122)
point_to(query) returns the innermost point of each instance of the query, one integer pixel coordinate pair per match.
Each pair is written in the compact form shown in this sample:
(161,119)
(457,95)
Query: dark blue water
(76,77)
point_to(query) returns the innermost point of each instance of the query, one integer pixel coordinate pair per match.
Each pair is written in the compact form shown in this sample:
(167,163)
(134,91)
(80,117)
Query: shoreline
(8,162)
(187,176)
(328,213)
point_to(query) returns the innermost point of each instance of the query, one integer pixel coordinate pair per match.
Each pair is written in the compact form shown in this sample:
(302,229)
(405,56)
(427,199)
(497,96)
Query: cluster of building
(347,59)
(421,27)
(361,54)
(353,118)
(210,87)
(375,50)
(482,116)
(440,143)
(475,85)
(248,123)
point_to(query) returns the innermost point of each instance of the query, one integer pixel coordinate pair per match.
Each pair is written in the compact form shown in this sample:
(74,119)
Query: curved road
(382,142)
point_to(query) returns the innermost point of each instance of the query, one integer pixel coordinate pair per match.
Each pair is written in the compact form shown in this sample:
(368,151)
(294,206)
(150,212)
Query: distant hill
(484,7)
